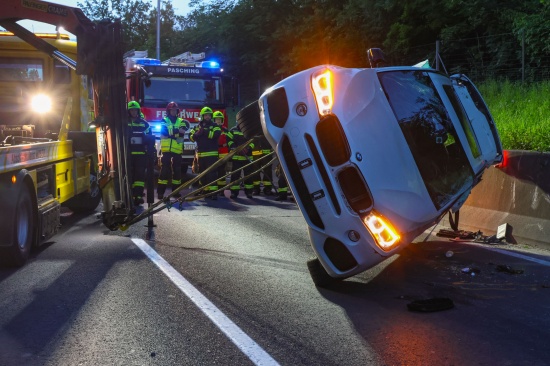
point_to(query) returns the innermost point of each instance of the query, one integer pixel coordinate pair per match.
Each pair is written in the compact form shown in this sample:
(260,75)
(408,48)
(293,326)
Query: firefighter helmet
(218,114)
(172,105)
(133,105)
(206,110)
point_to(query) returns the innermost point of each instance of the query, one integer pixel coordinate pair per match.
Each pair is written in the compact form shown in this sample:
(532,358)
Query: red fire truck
(186,79)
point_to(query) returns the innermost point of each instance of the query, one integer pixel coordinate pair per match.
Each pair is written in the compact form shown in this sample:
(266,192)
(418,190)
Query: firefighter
(282,184)
(239,160)
(262,178)
(222,146)
(138,162)
(207,134)
(172,132)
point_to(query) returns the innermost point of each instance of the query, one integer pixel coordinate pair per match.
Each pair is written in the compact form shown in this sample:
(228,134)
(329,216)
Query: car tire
(248,120)
(319,275)
(86,201)
(23,235)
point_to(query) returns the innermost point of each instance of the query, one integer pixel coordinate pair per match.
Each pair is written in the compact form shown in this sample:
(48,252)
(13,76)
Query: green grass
(521,113)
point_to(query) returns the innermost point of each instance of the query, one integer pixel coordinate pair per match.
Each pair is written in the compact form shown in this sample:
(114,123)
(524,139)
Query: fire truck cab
(186,79)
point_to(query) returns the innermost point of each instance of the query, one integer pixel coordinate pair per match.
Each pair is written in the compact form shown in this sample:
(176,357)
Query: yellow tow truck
(48,103)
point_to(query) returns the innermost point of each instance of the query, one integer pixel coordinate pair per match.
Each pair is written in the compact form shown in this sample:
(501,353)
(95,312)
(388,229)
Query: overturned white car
(374,156)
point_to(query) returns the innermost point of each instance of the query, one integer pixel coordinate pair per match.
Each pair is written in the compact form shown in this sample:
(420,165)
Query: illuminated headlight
(381,230)
(41,103)
(322,88)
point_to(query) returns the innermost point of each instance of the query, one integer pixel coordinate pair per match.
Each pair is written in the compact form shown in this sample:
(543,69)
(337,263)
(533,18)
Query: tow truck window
(21,69)
(180,90)
(429,132)
(61,73)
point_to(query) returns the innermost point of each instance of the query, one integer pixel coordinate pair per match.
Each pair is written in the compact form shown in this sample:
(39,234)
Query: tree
(133,14)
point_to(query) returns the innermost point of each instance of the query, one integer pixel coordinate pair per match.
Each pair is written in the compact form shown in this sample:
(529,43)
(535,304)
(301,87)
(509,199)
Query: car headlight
(382,231)
(321,83)
(41,103)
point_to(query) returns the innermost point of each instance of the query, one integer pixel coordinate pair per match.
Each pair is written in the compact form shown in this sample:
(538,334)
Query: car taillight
(332,140)
(355,189)
(382,231)
(321,83)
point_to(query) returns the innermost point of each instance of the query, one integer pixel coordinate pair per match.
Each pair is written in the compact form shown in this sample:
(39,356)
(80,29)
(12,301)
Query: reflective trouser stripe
(138,183)
(280,190)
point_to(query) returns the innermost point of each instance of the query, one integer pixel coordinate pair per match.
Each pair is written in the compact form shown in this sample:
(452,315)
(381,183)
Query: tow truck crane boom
(99,52)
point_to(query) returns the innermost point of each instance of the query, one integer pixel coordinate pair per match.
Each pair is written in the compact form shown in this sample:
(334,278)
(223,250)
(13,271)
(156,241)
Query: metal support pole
(158,30)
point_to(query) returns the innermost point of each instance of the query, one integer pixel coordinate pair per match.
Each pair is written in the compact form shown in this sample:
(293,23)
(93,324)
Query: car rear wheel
(249,121)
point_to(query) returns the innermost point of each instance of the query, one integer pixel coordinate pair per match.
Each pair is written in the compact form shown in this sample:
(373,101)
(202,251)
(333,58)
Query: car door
(480,119)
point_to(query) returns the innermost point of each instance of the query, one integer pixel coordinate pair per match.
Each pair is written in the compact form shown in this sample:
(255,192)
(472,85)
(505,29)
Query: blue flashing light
(210,64)
(157,127)
(148,61)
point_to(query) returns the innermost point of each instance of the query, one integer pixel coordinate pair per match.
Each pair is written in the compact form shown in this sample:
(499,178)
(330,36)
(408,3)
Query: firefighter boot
(282,196)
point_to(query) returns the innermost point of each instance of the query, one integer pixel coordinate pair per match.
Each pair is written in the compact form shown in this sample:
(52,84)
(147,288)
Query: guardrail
(517,193)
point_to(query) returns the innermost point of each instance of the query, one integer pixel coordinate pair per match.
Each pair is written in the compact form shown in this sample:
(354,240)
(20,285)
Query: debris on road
(508,269)
(471,270)
(469,236)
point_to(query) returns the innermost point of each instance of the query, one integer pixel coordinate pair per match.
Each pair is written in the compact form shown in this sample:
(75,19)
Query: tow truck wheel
(86,201)
(23,235)
(319,275)
(249,120)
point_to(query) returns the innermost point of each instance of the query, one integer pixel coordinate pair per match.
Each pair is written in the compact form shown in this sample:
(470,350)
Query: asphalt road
(226,283)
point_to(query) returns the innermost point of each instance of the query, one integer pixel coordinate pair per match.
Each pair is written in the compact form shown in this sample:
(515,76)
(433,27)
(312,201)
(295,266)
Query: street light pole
(158,30)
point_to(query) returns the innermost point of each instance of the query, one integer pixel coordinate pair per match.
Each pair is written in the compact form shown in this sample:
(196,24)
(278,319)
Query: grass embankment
(521,113)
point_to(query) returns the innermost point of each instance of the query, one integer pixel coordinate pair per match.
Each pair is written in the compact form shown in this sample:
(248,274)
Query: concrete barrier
(517,193)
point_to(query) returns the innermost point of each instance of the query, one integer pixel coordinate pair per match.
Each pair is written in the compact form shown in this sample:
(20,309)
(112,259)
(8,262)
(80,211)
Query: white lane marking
(251,349)
(522,256)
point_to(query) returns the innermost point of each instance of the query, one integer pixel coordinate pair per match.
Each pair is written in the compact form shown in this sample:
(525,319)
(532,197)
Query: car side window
(429,132)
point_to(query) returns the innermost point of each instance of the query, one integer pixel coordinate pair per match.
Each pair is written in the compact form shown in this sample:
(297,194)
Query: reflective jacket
(237,139)
(139,128)
(206,135)
(174,141)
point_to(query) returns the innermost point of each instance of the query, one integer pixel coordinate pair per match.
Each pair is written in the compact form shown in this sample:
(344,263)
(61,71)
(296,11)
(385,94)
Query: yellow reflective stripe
(239,157)
(174,181)
(222,155)
(256,152)
(138,152)
(266,151)
(137,183)
(163,181)
(282,189)
(248,186)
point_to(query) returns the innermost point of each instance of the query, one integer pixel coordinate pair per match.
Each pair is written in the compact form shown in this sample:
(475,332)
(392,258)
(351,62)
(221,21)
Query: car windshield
(183,91)
(430,133)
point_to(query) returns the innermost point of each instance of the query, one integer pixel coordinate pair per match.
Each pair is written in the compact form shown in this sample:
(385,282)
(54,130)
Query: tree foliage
(267,40)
